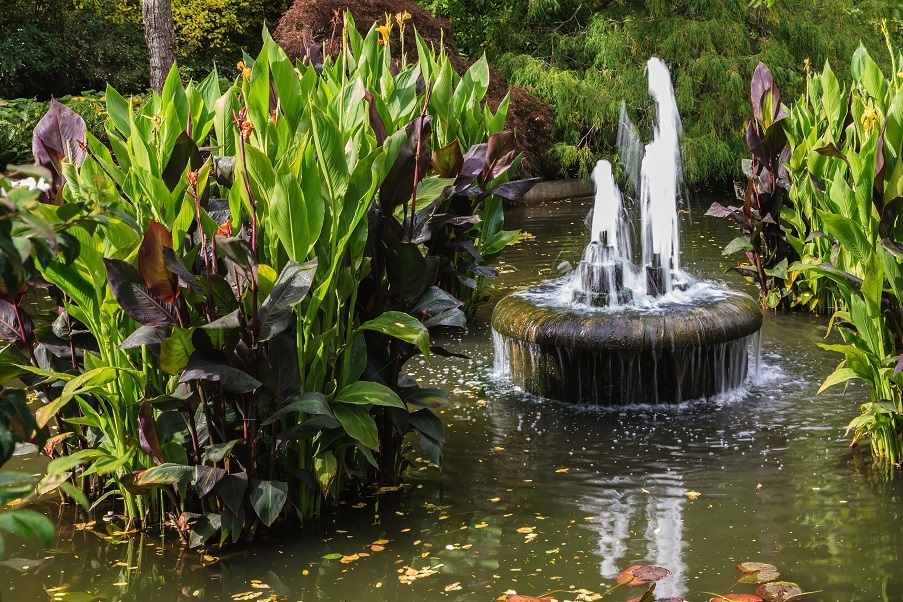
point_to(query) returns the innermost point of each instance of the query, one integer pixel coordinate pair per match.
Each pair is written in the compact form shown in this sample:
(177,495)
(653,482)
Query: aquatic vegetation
(245,275)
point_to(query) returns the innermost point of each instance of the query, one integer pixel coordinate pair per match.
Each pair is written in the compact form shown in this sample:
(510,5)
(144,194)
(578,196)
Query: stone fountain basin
(667,354)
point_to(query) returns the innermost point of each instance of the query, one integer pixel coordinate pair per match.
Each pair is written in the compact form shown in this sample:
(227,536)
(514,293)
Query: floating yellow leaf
(526,529)
(349,559)
(453,587)
(562,470)
(376,548)
(481,525)
(692,494)
(495,499)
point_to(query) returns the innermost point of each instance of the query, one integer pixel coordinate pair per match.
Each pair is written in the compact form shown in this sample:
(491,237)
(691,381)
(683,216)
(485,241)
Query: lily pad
(779,591)
(628,578)
(650,573)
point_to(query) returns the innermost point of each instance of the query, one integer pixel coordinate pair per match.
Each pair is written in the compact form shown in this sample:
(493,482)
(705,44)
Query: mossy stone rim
(729,317)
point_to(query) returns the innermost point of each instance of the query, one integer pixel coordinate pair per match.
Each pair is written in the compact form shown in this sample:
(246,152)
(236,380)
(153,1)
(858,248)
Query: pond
(542,498)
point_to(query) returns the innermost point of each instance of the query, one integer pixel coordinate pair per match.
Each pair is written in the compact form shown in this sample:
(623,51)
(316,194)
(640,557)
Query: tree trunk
(160,35)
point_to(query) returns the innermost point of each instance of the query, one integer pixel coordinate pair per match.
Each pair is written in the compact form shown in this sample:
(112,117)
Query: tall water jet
(659,183)
(617,333)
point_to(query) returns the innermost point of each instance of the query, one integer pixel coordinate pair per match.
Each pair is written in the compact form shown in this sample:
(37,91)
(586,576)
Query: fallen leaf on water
(381,542)
(526,529)
(562,470)
(495,499)
(453,587)
(481,525)
(644,490)
(692,494)
(409,575)
(376,548)
(349,559)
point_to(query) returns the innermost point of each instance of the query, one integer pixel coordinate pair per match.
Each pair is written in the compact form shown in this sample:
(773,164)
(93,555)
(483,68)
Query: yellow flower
(246,73)
(402,17)
(241,65)
(868,118)
(384,32)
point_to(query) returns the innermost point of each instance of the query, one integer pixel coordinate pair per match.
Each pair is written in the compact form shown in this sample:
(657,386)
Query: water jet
(616,333)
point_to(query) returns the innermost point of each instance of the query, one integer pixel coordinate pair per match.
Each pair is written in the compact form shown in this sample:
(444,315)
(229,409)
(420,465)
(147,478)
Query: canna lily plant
(254,267)
(841,234)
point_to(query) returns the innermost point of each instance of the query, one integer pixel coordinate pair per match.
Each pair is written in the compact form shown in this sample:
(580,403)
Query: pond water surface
(541,498)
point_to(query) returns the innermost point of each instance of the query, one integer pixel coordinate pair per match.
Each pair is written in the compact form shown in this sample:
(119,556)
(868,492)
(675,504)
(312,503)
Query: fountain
(612,332)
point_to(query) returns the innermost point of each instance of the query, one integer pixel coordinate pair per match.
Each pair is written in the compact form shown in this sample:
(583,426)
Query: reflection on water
(539,497)
(658,515)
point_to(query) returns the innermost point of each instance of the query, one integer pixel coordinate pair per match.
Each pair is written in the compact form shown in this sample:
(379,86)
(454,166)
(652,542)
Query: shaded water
(538,497)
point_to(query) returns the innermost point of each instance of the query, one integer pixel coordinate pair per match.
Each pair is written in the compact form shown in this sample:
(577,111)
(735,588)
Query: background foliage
(585,57)
(68,46)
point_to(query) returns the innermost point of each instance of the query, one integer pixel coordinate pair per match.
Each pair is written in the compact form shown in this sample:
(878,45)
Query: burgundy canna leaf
(376,122)
(147,433)
(448,160)
(762,82)
(60,134)
(133,296)
(152,265)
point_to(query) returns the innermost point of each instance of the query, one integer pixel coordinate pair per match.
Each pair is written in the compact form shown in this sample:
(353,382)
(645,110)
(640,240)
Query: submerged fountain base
(667,354)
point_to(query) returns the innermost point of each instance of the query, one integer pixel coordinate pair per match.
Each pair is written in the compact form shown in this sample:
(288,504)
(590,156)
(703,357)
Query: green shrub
(67,51)
(19,116)
(585,57)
